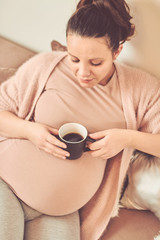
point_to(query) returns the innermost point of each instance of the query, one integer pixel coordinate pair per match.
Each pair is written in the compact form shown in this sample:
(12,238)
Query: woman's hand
(108,143)
(44,137)
(40,135)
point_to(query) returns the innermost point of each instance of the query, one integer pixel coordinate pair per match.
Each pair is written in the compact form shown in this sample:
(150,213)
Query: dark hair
(102,18)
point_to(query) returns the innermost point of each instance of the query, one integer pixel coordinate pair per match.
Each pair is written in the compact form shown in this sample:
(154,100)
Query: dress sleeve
(8,96)
(149,106)
(19,93)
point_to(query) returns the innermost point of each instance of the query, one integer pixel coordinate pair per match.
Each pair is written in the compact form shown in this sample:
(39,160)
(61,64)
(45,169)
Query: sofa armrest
(12,55)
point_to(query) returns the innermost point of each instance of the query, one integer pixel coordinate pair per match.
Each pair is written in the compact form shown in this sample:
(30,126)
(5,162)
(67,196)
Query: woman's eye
(96,64)
(75,60)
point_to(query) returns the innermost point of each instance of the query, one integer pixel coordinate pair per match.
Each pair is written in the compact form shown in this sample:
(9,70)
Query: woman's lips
(86,80)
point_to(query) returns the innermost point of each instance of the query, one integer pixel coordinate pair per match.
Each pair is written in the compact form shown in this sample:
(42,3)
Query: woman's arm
(40,135)
(111,142)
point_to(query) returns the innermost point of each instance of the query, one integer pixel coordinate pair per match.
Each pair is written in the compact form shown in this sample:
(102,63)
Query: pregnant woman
(43,195)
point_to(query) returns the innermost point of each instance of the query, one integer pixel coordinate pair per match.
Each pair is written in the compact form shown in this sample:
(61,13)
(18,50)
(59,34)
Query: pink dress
(44,182)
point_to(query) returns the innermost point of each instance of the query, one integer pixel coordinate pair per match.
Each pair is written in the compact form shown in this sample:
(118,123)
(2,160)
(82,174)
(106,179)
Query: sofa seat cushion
(132,225)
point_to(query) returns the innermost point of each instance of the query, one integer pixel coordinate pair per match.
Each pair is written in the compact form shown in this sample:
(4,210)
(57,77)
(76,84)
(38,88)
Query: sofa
(130,224)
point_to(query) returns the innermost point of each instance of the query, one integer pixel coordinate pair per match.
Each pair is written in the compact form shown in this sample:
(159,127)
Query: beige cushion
(57,46)
(13,55)
(132,225)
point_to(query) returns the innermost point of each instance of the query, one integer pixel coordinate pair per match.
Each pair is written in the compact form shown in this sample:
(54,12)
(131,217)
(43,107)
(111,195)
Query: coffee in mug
(75,136)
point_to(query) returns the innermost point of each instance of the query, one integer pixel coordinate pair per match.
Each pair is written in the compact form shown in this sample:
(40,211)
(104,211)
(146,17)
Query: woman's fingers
(108,143)
(51,144)
(55,150)
(98,135)
(96,145)
(55,141)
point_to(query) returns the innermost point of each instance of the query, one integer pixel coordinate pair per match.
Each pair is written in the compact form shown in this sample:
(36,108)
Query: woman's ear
(117,52)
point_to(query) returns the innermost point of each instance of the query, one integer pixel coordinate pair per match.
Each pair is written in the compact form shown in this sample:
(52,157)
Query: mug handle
(89,139)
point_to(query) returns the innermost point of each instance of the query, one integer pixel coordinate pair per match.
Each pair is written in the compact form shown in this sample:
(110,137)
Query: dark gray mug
(75,136)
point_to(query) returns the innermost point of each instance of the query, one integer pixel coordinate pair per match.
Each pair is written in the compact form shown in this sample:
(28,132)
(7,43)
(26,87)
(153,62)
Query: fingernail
(67,154)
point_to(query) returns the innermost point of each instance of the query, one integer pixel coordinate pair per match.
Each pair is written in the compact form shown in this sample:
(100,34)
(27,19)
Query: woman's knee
(54,228)
(10,207)
(69,225)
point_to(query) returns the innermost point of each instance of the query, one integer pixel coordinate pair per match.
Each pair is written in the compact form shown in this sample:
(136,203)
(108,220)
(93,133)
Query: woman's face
(91,60)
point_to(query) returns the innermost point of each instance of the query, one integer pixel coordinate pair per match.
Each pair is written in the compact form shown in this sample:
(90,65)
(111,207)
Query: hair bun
(84,3)
(98,3)
(99,18)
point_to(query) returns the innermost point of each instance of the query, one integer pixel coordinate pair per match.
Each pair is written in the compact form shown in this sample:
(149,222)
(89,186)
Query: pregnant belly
(46,183)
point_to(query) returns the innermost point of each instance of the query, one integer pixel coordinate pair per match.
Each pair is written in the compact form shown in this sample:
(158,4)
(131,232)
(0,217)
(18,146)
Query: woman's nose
(83,71)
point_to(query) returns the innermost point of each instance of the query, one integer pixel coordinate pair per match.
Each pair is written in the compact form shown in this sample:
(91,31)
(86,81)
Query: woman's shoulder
(44,58)
(40,63)
(136,76)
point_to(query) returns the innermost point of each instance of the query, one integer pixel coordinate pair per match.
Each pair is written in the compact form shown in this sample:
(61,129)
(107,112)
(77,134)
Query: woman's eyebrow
(92,59)
(71,55)
(96,59)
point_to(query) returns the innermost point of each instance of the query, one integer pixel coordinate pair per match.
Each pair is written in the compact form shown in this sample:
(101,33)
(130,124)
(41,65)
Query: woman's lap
(53,228)
(11,214)
(38,226)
